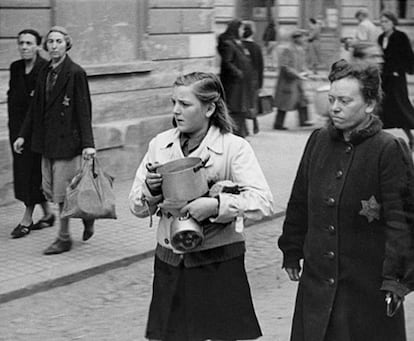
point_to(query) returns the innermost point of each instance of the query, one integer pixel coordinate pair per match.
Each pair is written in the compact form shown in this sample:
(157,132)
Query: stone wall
(131,58)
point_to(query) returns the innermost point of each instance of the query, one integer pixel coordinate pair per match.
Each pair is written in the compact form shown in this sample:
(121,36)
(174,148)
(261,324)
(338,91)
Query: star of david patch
(370,209)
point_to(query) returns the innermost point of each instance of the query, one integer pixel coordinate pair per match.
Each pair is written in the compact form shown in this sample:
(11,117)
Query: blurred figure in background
(369,52)
(397,110)
(235,71)
(27,174)
(314,45)
(256,78)
(289,93)
(270,42)
(366,30)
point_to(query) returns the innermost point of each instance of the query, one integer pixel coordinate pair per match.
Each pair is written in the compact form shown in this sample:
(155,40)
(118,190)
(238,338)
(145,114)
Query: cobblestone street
(113,305)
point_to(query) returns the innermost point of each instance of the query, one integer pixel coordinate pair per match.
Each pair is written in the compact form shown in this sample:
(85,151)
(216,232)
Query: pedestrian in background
(289,92)
(27,175)
(369,52)
(366,30)
(256,60)
(235,71)
(397,110)
(350,219)
(203,294)
(59,126)
(270,43)
(314,45)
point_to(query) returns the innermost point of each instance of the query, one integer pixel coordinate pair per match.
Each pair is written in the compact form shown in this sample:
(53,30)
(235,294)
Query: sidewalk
(25,270)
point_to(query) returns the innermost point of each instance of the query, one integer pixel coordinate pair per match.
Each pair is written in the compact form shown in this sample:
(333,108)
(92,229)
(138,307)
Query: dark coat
(26,166)
(62,127)
(397,110)
(346,219)
(234,74)
(289,93)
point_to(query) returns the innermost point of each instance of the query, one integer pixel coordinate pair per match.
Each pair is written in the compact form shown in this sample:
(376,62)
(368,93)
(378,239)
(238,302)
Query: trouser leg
(280,119)
(303,115)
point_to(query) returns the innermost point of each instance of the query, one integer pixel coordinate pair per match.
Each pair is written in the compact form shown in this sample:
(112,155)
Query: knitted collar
(373,127)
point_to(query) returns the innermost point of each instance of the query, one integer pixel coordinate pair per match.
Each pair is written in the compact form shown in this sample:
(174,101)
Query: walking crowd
(348,234)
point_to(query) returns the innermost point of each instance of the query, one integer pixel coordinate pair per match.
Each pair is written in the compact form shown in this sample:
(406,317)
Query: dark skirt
(27,177)
(207,302)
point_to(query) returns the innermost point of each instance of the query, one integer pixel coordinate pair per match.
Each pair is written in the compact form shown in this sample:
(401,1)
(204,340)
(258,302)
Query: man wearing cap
(366,30)
(59,125)
(289,93)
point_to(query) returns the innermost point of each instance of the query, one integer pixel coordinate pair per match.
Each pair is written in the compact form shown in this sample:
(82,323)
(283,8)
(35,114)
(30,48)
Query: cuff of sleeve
(394,286)
(292,263)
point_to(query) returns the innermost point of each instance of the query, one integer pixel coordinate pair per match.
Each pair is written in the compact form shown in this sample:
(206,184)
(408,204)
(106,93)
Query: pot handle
(202,163)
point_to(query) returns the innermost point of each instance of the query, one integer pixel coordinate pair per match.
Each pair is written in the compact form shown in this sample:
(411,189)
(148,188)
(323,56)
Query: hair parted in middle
(64,32)
(208,88)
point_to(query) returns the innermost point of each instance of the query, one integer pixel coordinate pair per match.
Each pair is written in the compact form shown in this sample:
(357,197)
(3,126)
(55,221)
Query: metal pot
(186,234)
(183,179)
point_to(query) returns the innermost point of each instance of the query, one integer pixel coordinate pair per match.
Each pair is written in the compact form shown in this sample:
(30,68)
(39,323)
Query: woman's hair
(62,31)
(247,30)
(367,74)
(390,16)
(232,30)
(208,89)
(34,33)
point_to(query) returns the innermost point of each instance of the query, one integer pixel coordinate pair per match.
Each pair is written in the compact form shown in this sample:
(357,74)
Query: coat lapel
(61,81)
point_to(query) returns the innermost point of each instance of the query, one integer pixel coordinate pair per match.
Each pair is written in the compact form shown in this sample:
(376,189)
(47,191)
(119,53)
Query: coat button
(62,114)
(331,228)
(330,255)
(331,281)
(166,241)
(339,174)
(348,149)
(331,202)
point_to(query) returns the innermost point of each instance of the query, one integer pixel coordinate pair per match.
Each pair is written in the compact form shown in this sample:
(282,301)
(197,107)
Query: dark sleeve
(260,65)
(396,181)
(228,56)
(83,109)
(407,55)
(295,225)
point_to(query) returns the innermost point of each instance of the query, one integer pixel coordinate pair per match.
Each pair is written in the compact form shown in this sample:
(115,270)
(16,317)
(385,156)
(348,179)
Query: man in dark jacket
(27,176)
(60,127)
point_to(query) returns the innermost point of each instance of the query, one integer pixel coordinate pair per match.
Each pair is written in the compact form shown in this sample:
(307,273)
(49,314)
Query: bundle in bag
(90,194)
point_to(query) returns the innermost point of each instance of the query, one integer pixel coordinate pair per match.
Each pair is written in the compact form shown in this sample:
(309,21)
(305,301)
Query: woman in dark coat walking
(397,110)
(27,176)
(234,74)
(256,78)
(350,219)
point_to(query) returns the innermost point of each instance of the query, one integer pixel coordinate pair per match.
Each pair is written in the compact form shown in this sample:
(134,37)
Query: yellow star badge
(370,209)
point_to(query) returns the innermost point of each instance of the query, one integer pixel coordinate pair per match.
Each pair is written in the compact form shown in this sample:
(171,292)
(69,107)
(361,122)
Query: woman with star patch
(348,234)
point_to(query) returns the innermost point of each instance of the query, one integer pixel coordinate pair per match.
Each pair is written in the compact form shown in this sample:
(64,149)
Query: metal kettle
(186,233)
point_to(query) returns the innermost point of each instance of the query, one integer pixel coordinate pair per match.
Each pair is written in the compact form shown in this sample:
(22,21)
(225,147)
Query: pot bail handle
(202,163)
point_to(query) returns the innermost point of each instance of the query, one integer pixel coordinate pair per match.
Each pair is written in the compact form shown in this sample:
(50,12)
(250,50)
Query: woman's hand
(202,208)
(18,145)
(153,179)
(293,273)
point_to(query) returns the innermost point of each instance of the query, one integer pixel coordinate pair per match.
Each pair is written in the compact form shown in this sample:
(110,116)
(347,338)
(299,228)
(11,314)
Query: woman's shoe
(88,230)
(21,231)
(43,223)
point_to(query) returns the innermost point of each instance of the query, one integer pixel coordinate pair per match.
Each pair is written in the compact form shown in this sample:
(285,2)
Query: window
(399,7)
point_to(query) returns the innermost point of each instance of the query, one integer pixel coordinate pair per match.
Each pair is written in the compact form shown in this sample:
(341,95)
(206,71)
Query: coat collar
(358,136)
(213,141)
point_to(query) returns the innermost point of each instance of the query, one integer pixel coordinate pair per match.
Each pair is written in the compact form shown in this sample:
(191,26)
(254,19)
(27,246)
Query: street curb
(96,270)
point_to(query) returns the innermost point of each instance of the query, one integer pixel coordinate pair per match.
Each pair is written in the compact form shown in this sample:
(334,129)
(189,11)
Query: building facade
(133,50)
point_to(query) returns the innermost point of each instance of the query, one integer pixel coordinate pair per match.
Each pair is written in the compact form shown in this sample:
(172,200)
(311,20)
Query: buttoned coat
(26,166)
(289,92)
(61,127)
(347,219)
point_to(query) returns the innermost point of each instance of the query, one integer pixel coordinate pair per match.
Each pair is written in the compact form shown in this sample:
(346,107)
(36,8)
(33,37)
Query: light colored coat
(231,158)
